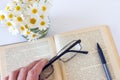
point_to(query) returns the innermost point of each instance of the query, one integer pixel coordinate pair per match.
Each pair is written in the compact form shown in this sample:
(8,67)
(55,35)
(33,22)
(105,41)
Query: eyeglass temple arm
(84,52)
(58,56)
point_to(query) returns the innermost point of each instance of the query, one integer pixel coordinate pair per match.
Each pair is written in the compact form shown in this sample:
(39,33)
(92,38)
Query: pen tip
(98,45)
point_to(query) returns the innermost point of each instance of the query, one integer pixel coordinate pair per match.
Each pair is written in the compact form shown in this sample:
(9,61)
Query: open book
(81,67)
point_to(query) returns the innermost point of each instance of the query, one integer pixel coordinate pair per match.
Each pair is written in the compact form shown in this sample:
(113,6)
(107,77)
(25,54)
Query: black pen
(107,72)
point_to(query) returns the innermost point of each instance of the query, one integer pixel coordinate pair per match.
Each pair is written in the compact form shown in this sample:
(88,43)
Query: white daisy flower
(10,6)
(43,25)
(19,8)
(10,24)
(33,21)
(11,27)
(33,9)
(43,16)
(33,37)
(19,19)
(2,17)
(27,32)
(44,6)
(22,29)
(10,15)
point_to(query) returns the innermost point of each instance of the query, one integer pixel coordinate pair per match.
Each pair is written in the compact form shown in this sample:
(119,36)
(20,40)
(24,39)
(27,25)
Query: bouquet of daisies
(27,17)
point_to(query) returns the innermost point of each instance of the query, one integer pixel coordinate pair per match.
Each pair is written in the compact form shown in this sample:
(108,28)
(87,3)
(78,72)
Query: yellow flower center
(9,24)
(10,15)
(19,19)
(42,16)
(7,8)
(2,17)
(42,23)
(22,28)
(34,35)
(33,20)
(28,32)
(18,8)
(34,11)
(44,8)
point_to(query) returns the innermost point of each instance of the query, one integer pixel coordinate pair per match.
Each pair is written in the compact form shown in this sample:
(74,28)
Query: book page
(19,55)
(89,66)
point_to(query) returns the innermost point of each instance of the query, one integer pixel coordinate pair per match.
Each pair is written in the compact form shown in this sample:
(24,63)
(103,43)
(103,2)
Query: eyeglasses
(68,52)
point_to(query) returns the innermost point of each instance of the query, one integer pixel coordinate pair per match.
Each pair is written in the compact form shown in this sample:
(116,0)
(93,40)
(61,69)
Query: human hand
(29,72)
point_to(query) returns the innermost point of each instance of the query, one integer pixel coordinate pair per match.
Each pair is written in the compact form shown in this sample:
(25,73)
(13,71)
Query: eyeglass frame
(64,52)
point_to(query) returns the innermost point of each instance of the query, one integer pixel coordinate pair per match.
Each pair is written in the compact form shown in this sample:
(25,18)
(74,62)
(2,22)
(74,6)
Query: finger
(22,74)
(31,65)
(33,74)
(23,71)
(39,66)
(14,75)
(6,78)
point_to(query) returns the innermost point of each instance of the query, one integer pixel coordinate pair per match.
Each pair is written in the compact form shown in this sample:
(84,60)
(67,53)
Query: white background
(67,15)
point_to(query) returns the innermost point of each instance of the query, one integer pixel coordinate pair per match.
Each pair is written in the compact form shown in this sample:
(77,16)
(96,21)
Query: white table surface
(67,15)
